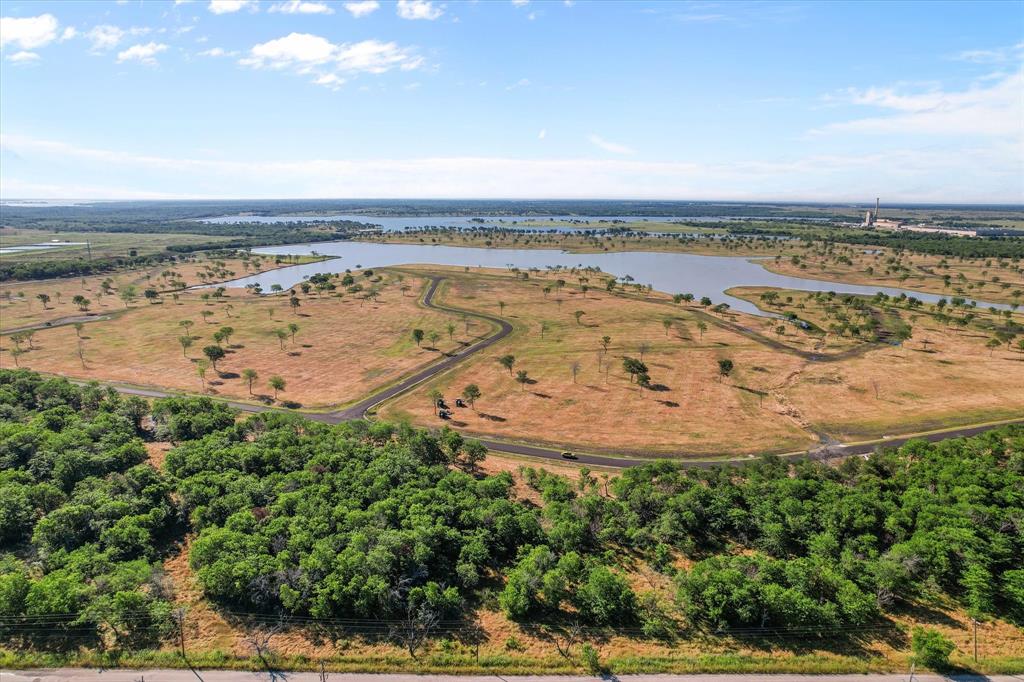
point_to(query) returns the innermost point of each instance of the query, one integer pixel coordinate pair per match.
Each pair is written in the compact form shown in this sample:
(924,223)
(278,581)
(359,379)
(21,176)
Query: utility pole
(974,621)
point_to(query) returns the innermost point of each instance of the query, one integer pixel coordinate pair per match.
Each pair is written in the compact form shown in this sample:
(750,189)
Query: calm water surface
(668,272)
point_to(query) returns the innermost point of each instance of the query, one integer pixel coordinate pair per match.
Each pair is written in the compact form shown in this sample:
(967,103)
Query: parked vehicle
(568,455)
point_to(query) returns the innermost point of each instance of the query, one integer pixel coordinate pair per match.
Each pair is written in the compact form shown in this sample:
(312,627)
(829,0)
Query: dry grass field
(20,305)
(774,400)
(345,347)
(989,279)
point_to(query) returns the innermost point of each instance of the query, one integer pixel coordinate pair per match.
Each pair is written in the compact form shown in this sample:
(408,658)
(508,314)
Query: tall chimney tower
(876,208)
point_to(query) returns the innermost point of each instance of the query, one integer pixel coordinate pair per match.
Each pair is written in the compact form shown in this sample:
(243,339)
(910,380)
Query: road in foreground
(91,675)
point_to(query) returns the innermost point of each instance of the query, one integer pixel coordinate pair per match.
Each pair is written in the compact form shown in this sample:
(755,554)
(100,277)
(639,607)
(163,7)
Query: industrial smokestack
(876,208)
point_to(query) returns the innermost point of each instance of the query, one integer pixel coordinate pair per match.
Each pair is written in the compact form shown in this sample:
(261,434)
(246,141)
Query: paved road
(360,409)
(90,675)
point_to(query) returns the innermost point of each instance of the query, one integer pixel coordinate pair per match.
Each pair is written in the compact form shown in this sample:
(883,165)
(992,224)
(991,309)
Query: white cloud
(23,57)
(999,55)
(612,147)
(361,8)
(141,53)
(542,134)
(330,80)
(217,52)
(993,109)
(520,3)
(308,54)
(301,7)
(419,9)
(28,33)
(970,175)
(69,33)
(104,37)
(230,6)
(521,83)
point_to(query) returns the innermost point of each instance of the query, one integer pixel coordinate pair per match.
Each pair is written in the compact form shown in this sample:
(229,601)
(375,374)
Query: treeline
(295,518)
(78,267)
(940,245)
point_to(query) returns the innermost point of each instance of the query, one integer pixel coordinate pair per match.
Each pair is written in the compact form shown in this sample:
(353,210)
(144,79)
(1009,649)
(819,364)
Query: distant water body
(400,223)
(668,272)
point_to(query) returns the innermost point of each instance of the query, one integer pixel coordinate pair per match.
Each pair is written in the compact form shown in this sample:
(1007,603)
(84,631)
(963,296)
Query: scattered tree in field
(605,340)
(225,333)
(15,354)
(992,344)
(277,383)
(643,348)
(201,367)
(523,378)
(705,301)
(667,324)
(78,329)
(578,315)
(45,298)
(213,354)
(151,295)
(81,352)
(1020,346)
(417,336)
(434,338)
(677,298)
(546,290)
(186,325)
(435,399)
(781,330)
(574,367)
(450,328)
(281,336)
(127,294)
(81,301)
(633,367)
(250,376)
(294,303)
(470,393)
(227,309)
(702,326)
(292,328)
(218,337)
(725,368)
(186,343)
(501,307)
(507,361)
(206,314)
(544,327)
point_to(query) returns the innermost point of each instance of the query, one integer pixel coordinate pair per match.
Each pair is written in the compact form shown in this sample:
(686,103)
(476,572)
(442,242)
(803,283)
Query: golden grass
(774,401)
(345,348)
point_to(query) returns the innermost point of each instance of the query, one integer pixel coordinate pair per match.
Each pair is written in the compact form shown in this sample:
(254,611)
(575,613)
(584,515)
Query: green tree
(186,343)
(471,393)
(523,378)
(213,354)
(931,648)
(578,315)
(451,331)
(292,328)
(417,336)
(45,298)
(725,368)
(277,383)
(281,335)
(435,398)
(703,327)
(434,338)
(250,376)
(507,361)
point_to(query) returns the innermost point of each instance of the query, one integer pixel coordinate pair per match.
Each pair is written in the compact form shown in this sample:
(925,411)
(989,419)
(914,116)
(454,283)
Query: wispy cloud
(521,83)
(998,55)
(991,108)
(301,7)
(975,174)
(23,57)
(608,146)
(542,134)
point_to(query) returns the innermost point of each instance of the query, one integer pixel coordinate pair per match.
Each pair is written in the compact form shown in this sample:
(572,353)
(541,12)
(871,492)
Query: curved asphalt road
(359,410)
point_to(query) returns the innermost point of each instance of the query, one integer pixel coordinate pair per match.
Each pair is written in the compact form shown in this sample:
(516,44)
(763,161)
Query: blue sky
(511,99)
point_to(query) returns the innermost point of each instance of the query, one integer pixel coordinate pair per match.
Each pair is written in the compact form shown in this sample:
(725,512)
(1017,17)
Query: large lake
(399,223)
(668,272)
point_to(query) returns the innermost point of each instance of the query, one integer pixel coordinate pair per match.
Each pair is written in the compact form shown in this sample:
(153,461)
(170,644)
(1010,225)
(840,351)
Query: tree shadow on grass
(228,375)
(541,395)
(669,403)
(294,353)
(492,417)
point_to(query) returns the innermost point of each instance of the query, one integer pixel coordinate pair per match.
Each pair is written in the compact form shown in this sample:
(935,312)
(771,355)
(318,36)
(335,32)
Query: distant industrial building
(891,225)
